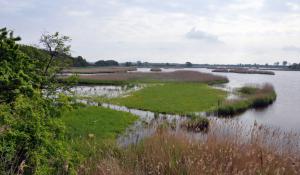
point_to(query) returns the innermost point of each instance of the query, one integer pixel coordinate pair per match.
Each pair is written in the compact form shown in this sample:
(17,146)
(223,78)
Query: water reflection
(105,91)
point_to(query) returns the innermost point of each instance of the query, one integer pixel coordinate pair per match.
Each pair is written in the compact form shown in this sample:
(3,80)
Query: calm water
(285,112)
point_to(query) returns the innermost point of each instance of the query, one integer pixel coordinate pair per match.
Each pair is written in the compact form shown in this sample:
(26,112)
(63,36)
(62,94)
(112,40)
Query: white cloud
(155,30)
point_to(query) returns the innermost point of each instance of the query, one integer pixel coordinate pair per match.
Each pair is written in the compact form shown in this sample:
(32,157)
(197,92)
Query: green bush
(32,136)
(31,133)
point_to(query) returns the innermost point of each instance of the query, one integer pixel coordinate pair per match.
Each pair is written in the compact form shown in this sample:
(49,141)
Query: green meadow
(179,98)
(89,128)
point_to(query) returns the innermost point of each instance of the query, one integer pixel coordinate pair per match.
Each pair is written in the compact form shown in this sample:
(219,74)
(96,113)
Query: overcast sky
(200,31)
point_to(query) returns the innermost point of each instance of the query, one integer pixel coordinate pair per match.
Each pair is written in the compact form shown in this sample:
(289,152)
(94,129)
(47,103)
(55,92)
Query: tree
(31,133)
(107,63)
(128,64)
(139,63)
(188,64)
(55,45)
(80,62)
(295,66)
(17,74)
(276,63)
(284,63)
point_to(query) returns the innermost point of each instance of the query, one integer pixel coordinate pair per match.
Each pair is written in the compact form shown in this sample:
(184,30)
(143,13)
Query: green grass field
(177,98)
(89,128)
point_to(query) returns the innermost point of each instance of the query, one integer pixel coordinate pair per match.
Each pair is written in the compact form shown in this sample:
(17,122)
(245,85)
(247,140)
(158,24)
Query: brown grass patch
(182,76)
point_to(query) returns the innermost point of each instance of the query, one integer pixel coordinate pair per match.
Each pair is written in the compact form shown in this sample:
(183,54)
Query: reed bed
(227,148)
(244,71)
(145,77)
(252,97)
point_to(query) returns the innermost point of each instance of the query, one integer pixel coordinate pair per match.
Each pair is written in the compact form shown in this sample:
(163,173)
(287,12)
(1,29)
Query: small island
(155,70)
(243,71)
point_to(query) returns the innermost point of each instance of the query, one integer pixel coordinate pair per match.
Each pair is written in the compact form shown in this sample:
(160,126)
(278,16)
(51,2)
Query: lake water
(285,112)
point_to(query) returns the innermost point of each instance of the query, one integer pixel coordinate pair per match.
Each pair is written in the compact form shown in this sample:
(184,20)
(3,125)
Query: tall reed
(227,148)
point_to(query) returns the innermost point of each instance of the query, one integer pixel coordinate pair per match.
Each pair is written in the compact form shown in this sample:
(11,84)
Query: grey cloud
(201,35)
(291,49)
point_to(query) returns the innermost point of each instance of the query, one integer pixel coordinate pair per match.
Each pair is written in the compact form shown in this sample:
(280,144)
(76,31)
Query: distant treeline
(295,66)
(106,63)
(79,61)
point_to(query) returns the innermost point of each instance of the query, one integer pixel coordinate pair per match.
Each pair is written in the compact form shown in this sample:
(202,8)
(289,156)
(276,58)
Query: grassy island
(179,98)
(251,97)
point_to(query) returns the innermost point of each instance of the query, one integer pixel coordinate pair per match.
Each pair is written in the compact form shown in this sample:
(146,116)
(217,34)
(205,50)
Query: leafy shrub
(31,133)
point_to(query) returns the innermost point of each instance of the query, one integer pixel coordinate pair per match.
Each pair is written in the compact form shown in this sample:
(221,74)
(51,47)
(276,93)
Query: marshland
(159,88)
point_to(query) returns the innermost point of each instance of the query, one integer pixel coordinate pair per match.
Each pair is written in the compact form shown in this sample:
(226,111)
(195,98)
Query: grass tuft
(196,124)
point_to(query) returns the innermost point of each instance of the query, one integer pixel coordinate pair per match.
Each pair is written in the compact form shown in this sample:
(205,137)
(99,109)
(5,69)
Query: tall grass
(252,97)
(223,150)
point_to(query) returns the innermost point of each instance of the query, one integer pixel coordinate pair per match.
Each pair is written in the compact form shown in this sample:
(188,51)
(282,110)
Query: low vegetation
(196,124)
(265,151)
(153,77)
(155,70)
(180,98)
(244,71)
(89,128)
(252,97)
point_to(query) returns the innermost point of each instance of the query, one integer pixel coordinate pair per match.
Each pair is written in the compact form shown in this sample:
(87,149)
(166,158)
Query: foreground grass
(173,98)
(266,152)
(89,128)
